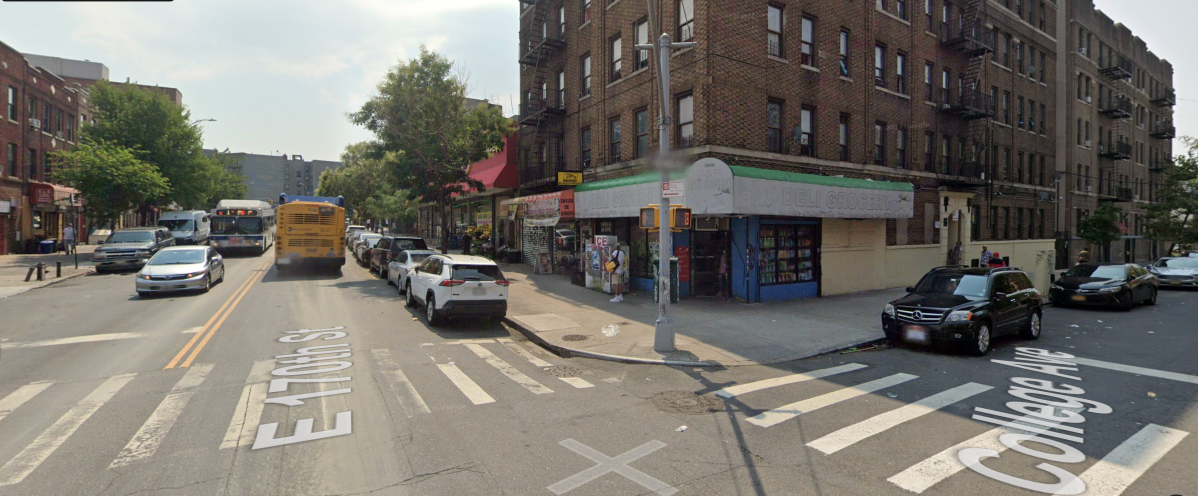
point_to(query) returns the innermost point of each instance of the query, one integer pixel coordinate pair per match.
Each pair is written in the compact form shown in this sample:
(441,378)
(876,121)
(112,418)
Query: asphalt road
(95,399)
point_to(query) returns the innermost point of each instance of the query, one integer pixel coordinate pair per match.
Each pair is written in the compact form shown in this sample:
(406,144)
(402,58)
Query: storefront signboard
(709,183)
(624,201)
(42,193)
(549,209)
(756,196)
(482,218)
(5,207)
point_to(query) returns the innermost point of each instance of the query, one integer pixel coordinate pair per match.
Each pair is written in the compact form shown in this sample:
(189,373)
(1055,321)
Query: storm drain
(574,337)
(563,371)
(686,402)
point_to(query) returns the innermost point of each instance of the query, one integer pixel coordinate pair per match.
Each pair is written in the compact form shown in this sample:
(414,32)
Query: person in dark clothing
(466,244)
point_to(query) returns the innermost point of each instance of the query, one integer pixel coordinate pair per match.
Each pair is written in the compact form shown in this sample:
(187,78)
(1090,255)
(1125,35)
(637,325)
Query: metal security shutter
(535,239)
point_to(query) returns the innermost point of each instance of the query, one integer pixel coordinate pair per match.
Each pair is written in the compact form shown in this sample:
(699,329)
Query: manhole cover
(686,402)
(563,371)
(573,337)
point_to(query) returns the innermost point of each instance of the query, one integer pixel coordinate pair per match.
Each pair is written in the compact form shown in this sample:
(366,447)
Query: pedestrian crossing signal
(680,218)
(649,218)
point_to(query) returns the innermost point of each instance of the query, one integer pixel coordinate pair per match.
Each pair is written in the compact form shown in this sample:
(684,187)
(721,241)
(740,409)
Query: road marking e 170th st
(307,361)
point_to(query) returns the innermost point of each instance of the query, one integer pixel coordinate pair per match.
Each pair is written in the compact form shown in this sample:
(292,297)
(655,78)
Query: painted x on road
(607,464)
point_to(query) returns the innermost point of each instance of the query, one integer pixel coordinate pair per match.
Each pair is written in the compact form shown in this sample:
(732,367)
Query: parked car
(1176,272)
(180,268)
(364,248)
(357,237)
(400,267)
(349,230)
(389,247)
(131,248)
(190,227)
(1121,285)
(965,305)
(449,286)
(565,239)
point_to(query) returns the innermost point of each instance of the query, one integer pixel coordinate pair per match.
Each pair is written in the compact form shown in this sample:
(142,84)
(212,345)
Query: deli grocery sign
(766,197)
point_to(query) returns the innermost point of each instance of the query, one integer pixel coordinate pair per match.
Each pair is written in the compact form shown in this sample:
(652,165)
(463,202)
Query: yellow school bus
(311,233)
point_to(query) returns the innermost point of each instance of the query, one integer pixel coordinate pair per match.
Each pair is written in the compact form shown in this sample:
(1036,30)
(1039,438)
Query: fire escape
(968,36)
(1115,148)
(1166,99)
(541,108)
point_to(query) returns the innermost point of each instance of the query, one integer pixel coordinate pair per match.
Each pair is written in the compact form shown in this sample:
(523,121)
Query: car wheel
(981,340)
(895,340)
(430,311)
(144,294)
(410,301)
(207,284)
(1129,302)
(1032,330)
(222,274)
(1151,298)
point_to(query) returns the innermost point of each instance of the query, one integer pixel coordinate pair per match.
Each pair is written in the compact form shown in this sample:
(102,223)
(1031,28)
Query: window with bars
(773,112)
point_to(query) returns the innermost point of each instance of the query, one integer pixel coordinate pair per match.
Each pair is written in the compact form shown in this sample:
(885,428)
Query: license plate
(1173,282)
(479,291)
(918,334)
(1078,298)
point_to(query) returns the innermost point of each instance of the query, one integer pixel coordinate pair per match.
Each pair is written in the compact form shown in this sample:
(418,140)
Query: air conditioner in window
(1089,189)
(35,123)
(1089,99)
(1088,143)
(1137,197)
(1081,50)
(58,135)
(1031,70)
(804,139)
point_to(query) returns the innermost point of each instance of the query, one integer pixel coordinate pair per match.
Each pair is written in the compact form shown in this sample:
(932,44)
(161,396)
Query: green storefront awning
(648,177)
(796,177)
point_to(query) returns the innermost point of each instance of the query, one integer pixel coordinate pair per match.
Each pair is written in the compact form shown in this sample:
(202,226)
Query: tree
(225,182)
(426,136)
(1102,228)
(162,135)
(1173,218)
(368,187)
(111,179)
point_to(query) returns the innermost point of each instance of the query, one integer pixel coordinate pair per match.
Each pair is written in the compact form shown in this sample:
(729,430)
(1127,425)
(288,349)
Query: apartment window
(32,167)
(1043,113)
(1019,8)
(1006,107)
(642,38)
(880,65)
(12,103)
(70,127)
(844,52)
(584,144)
(946,148)
(686,121)
(617,57)
(929,152)
(586,75)
(613,127)
(808,39)
(774,30)
(901,145)
(1043,68)
(559,148)
(1019,168)
(642,133)
(807,132)
(1043,230)
(561,89)
(299,174)
(1089,83)
(47,117)
(1006,173)
(927,12)
(1006,223)
(1081,83)
(12,159)
(1006,50)
(32,108)
(1019,112)
(1031,115)
(994,223)
(686,20)
(773,110)
(1081,40)
(845,121)
(946,94)
(1087,127)
(1018,222)
(900,73)
(928,70)
(561,20)
(586,11)
(901,8)
(880,143)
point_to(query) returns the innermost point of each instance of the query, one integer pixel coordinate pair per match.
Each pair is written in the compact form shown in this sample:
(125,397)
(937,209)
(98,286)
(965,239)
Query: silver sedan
(399,268)
(181,268)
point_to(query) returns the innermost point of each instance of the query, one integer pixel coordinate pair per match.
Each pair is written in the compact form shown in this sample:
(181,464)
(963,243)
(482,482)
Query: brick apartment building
(1117,103)
(956,100)
(42,115)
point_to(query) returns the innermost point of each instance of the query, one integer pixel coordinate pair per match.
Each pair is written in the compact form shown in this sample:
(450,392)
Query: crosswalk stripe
(927,473)
(17,469)
(1128,461)
(577,382)
(244,423)
(528,382)
(1163,374)
(75,340)
(468,387)
(409,399)
(17,398)
(740,389)
(150,436)
(852,434)
(779,415)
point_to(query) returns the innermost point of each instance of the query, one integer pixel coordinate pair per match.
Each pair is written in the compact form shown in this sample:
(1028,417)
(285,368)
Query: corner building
(945,108)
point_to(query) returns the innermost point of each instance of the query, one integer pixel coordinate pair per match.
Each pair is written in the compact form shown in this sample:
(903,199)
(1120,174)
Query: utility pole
(663,331)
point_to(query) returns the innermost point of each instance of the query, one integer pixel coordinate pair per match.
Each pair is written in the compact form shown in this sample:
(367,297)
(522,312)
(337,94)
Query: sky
(279,76)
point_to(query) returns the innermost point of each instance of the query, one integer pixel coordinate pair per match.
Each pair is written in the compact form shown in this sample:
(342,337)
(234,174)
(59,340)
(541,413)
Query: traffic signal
(680,218)
(649,217)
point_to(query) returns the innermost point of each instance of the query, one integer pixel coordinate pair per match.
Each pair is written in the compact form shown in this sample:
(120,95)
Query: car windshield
(370,242)
(972,286)
(1178,263)
(177,224)
(417,258)
(237,225)
(131,237)
(409,244)
(178,257)
(1098,271)
(477,273)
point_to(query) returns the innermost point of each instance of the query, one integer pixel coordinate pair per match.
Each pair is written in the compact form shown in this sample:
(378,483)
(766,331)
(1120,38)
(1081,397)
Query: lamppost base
(663,336)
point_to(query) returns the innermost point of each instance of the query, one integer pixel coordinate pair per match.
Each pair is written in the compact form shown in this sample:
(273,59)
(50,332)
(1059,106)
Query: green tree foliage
(111,179)
(161,133)
(368,187)
(1102,228)
(225,180)
(425,134)
(1173,218)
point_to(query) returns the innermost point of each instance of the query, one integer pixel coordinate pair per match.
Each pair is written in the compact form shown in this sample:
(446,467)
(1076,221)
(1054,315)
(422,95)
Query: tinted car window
(1025,282)
(403,257)
(416,258)
(953,284)
(130,237)
(1098,271)
(476,273)
(1179,263)
(383,243)
(411,244)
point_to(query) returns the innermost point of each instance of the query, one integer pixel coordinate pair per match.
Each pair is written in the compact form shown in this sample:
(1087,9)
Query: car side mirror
(1000,295)
(910,289)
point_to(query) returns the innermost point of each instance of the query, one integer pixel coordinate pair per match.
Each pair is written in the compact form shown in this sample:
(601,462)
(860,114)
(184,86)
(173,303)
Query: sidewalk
(13,269)
(709,332)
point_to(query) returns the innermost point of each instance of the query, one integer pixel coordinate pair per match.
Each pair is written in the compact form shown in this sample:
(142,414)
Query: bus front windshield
(237,225)
(177,224)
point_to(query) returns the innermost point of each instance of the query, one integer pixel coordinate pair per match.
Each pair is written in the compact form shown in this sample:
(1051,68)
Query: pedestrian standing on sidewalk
(996,261)
(1083,256)
(954,256)
(617,274)
(986,256)
(68,240)
(466,244)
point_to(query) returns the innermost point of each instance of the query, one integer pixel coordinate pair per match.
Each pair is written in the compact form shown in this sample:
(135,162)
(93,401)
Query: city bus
(311,232)
(243,225)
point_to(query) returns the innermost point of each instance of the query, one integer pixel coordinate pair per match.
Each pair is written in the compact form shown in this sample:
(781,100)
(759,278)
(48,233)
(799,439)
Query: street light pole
(663,330)
(202,120)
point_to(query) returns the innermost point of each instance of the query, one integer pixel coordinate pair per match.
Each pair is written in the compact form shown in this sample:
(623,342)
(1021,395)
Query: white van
(190,227)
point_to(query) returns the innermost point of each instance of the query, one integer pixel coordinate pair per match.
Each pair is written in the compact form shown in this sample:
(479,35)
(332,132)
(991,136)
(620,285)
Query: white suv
(457,285)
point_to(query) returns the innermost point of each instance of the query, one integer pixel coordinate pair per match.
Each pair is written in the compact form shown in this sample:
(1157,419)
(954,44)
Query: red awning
(499,170)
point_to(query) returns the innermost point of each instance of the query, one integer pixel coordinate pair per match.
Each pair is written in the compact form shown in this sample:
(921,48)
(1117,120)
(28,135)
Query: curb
(570,353)
(53,282)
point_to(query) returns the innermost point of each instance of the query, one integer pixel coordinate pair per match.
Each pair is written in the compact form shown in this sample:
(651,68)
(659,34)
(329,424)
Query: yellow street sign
(569,178)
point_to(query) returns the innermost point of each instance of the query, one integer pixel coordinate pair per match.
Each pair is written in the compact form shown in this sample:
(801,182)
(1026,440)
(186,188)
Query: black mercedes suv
(964,305)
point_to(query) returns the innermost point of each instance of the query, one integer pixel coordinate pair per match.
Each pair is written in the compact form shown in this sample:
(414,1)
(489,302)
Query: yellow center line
(231,302)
